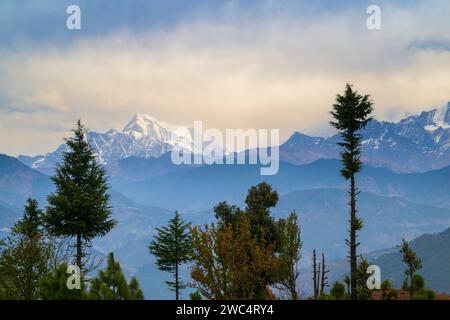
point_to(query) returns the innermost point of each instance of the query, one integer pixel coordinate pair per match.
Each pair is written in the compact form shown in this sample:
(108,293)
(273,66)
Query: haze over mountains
(398,199)
(415,144)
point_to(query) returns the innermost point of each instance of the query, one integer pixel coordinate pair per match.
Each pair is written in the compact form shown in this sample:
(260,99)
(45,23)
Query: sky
(231,64)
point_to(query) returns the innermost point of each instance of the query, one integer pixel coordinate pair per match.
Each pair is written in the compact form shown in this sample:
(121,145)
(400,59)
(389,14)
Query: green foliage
(172,247)
(391,295)
(195,296)
(2,292)
(26,255)
(289,254)
(227,214)
(53,286)
(248,251)
(361,280)
(135,292)
(259,200)
(418,282)
(30,225)
(324,296)
(80,207)
(425,294)
(110,284)
(230,263)
(351,113)
(385,286)
(338,291)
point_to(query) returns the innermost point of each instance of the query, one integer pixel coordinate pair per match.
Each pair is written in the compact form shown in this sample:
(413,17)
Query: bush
(195,296)
(418,282)
(386,285)
(425,294)
(338,291)
(391,295)
(325,296)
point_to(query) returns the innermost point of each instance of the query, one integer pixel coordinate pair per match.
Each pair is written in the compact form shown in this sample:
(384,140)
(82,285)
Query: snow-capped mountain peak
(439,118)
(417,143)
(143,136)
(143,125)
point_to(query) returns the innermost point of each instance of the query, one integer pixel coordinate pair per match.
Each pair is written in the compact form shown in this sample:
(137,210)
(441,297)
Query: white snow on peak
(142,125)
(438,120)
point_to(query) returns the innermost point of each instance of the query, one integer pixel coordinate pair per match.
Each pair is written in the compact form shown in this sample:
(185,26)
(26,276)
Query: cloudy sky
(232,64)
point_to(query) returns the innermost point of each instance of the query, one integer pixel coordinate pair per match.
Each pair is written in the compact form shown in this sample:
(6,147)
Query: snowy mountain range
(415,144)
(143,136)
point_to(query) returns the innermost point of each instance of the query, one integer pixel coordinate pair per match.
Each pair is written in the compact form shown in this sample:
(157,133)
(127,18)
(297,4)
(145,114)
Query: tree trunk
(315,276)
(411,284)
(176,282)
(79,255)
(352,244)
(294,295)
(324,277)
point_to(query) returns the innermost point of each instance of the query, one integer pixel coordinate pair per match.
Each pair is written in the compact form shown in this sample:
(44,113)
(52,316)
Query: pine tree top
(31,223)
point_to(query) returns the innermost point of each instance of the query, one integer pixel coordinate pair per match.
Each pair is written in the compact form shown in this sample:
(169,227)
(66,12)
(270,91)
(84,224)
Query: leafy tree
(231,263)
(172,247)
(413,263)
(418,282)
(351,113)
(260,199)
(338,291)
(53,286)
(289,254)
(248,251)
(110,284)
(26,255)
(80,207)
(227,214)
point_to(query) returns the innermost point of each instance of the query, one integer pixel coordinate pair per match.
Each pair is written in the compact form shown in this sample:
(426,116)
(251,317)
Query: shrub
(338,290)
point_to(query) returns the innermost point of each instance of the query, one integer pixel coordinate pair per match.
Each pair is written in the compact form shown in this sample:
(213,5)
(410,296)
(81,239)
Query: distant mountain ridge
(316,191)
(143,136)
(200,188)
(417,143)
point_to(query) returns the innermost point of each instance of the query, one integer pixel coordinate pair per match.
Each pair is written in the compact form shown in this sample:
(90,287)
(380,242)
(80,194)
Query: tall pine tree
(53,286)
(26,255)
(172,247)
(30,225)
(80,206)
(351,113)
(110,284)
